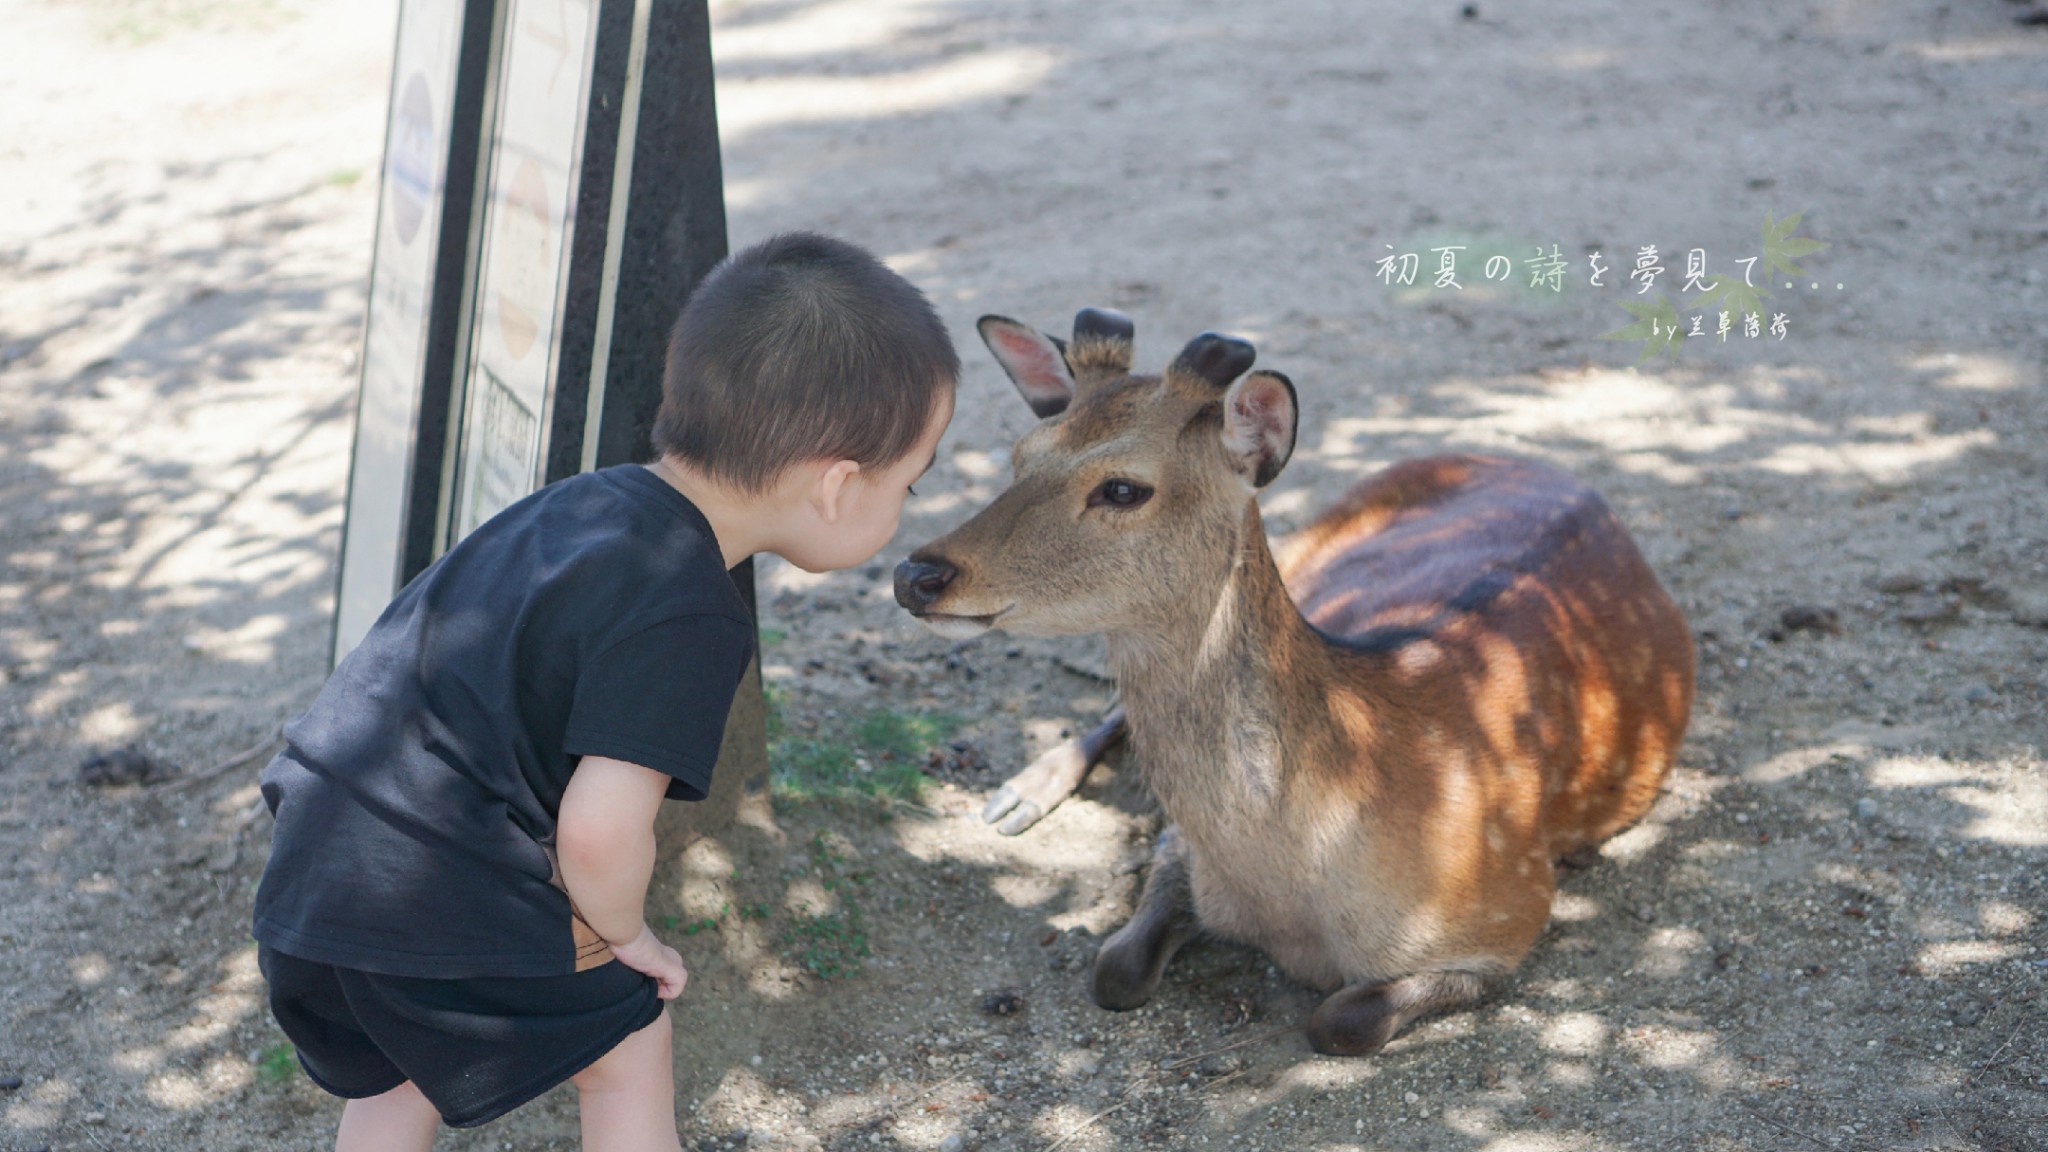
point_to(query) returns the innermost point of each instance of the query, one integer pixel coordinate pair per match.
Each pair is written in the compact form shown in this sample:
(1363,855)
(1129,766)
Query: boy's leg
(628,1098)
(400,1120)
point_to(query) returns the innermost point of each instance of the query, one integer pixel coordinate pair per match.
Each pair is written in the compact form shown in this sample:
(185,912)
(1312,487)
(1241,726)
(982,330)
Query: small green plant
(833,945)
(275,1064)
(700,925)
(754,911)
(878,755)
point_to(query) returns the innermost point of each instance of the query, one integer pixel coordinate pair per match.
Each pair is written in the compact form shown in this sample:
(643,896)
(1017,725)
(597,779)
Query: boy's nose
(919,582)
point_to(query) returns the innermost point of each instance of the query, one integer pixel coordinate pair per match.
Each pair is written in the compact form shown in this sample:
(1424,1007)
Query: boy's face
(871,505)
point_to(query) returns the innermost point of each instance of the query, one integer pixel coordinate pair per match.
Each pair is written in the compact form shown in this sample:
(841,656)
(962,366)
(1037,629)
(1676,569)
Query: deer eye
(1119,494)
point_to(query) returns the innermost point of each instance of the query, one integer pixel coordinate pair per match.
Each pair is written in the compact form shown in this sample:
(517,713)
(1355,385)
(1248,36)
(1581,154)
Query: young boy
(451,919)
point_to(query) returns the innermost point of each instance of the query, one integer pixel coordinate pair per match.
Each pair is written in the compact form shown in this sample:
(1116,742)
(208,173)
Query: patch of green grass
(831,947)
(834,945)
(773,636)
(276,1064)
(878,755)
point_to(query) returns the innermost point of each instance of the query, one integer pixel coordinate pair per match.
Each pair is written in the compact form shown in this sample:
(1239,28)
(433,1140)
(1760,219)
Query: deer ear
(1260,418)
(1037,363)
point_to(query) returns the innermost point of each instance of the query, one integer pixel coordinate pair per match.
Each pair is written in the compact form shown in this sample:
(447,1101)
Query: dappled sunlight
(40,1107)
(1575,1033)
(2016,815)
(1543,1142)
(1887,463)
(1634,843)
(755,105)
(1917,772)
(1971,50)
(2001,918)
(809,897)
(221,1078)
(1679,427)
(232,999)
(802,32)
(89,970)
(1678,1048)
(711,911)
(2007,802)
(1670,952)
(1055,871)
(1972,372)
(1026,891)
(1951,957)
(1569,1073)
(109,724)
(1325,1075)
(251,642)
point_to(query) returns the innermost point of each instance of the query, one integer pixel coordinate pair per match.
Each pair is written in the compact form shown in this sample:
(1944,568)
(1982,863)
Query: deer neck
(1207,677)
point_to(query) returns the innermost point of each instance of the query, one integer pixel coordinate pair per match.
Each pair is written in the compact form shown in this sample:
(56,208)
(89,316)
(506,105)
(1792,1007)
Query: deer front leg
(1038,789)
(1135,956)
(1359,1019)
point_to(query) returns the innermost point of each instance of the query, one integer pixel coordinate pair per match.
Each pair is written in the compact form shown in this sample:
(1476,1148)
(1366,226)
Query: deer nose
(918,583)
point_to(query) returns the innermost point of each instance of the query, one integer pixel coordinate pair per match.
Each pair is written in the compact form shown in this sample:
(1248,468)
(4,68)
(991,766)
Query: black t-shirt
(416,799)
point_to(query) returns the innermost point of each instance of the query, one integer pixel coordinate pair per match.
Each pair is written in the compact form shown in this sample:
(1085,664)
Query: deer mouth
(961,627)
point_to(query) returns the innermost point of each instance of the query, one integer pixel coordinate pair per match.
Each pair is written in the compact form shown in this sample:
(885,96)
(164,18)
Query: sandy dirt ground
(1831,932)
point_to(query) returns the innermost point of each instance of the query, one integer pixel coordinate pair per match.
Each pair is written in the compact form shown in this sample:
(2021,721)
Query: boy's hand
(646,954)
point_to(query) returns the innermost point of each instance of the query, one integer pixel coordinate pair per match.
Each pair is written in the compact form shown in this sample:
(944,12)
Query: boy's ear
(834,486)
(1036,362)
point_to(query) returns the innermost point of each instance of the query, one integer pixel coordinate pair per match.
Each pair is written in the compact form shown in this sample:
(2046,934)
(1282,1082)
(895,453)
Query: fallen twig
(1245,1043)
(1220,1081)
(1986,1065)
(228,765)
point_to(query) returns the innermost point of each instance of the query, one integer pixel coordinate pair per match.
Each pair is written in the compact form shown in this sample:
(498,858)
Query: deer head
(1129,497)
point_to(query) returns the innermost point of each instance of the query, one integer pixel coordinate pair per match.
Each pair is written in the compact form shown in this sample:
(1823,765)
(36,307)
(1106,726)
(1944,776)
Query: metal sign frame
(588,262)
(412,322)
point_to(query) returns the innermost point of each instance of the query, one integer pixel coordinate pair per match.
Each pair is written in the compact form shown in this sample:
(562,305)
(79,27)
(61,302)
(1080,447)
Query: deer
(1372,750)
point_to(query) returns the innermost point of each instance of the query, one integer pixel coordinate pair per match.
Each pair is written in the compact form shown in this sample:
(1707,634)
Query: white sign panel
(533,149)
(401,278)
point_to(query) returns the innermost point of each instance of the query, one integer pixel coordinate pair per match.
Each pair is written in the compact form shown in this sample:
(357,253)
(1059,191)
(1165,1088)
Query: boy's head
(801,348)
(806,354)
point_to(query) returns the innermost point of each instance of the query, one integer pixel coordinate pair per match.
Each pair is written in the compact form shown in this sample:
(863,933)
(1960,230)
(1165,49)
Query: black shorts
(476,1048)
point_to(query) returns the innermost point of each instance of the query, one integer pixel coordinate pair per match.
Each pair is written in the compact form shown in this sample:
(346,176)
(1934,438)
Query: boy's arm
(604,837)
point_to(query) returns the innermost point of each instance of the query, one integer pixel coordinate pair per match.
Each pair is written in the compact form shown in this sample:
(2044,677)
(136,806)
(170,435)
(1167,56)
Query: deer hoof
(1027,814)
(999,804)
(1355,1021)
(1125,976)
(1009,802)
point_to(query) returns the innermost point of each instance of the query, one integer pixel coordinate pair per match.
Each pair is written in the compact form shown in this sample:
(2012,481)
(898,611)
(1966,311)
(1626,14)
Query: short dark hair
(801,348)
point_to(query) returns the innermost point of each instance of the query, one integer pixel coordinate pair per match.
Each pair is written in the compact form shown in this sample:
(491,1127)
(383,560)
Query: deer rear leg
(1131,961)
(1038,789)
(1359,1019)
